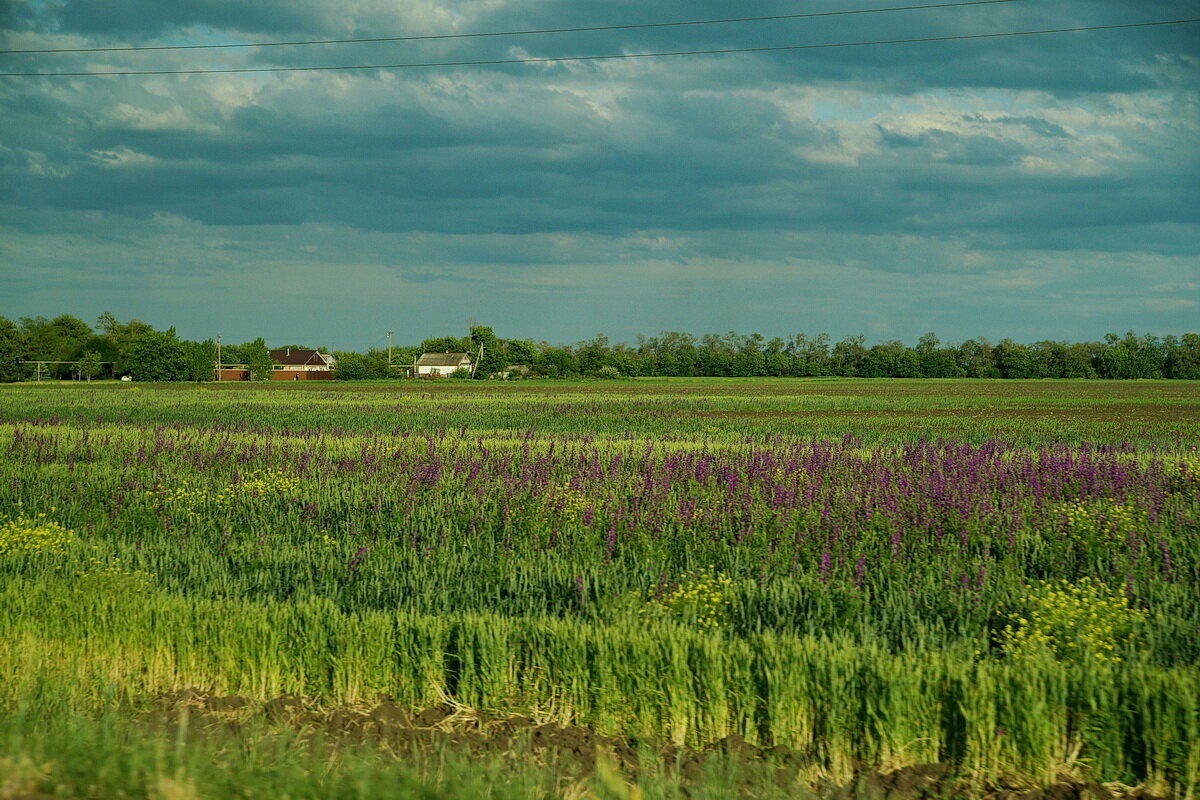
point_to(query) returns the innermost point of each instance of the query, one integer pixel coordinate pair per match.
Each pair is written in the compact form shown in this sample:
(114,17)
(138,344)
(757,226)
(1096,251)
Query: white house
(442,363)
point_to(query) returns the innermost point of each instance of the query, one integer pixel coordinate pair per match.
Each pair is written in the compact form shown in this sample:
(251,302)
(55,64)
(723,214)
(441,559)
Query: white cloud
(121,157)
(1169,303)
(1078,168)
(175,118)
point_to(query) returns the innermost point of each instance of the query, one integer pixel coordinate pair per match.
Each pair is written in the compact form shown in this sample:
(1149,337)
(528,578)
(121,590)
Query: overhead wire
(605,57)
(538,31)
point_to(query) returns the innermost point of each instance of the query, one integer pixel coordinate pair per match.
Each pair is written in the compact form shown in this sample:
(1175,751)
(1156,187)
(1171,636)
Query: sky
(1034,187)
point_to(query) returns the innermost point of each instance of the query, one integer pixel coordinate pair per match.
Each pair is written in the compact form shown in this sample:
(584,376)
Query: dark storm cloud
(139,19)
(1005,153)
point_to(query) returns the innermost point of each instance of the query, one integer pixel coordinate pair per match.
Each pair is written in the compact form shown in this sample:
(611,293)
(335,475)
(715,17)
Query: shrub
(699,598)
(1072,621)
(33,535)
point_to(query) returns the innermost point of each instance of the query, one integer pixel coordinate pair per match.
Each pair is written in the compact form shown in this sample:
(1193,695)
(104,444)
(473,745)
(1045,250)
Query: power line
(609,57)
(502,33)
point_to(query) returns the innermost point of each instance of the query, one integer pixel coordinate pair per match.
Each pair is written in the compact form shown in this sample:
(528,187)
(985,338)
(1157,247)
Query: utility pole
(389,348)
(218,356)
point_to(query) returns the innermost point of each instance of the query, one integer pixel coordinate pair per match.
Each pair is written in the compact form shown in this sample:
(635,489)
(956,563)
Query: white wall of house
(442,370)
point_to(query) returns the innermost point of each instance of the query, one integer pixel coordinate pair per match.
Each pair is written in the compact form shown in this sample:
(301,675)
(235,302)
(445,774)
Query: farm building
(290,365)
(301,365)
(442,363)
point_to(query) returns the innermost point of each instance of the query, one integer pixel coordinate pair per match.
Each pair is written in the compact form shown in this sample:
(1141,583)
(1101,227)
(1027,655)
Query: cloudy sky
(1033,187)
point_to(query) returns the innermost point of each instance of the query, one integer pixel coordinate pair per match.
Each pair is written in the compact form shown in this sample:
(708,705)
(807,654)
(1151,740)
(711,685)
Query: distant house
(302,365)
(511,371)
(442,363)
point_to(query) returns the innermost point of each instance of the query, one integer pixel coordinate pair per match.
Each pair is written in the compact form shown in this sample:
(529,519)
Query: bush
(1072,621)
(699,598)
(158,356)
(351,367)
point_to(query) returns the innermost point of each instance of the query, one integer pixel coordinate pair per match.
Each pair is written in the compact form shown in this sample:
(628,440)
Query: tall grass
(836,701)
(512,550)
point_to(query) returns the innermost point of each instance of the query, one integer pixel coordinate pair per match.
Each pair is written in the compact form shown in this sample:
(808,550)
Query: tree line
(113,348)
(673,353)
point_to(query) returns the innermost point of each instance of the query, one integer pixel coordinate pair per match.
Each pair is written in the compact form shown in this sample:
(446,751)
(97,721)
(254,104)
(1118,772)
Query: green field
(657,588)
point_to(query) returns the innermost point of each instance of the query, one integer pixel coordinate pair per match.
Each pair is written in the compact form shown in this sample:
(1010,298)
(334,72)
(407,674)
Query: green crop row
(835,701)
(887,410)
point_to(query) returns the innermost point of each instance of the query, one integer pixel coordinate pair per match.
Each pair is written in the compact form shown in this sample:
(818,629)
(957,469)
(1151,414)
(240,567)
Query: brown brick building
(301,365)
(290,365)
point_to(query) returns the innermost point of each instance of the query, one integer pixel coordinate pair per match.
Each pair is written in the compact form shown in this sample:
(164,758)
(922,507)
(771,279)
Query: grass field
(657,588)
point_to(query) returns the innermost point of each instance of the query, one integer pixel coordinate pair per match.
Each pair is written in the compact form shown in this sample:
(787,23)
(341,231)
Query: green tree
(202,360)
(121,337)
(653,356)
(377,363)
(1080,359)
(521,351)
(681,347)
(1015,360)
(777,362)
(809,356)
(401,356)
(13,351)
(60,339)
(447,344)
(1049,358)
(715,355)
(624,360)
(848,355)
(89,365)
(100,344)
(558,362)
(492,360)
(360,367)
(934,361)
(157,356)
(592,354)
(1183,356)
(1133,356)
(351,366)
(974,359)
(258,360)
(890,359)
(749,360)
(232,354)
